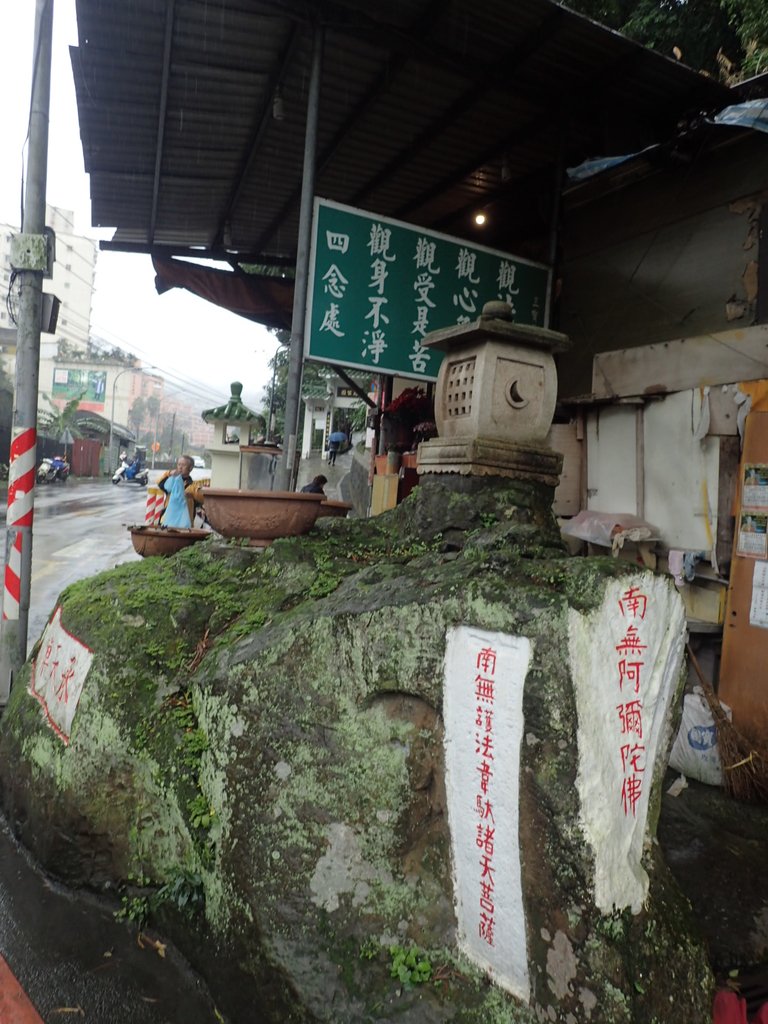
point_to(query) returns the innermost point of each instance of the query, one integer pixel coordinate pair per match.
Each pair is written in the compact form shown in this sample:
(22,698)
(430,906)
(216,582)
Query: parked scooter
(131,471)
(51,470)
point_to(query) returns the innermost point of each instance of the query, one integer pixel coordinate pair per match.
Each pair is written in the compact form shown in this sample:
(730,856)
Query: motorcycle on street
(131,471)
(52,470)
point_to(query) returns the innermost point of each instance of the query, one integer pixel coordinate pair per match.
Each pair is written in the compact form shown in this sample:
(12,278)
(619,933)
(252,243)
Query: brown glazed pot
(151,540)
(260,515)
(334,508)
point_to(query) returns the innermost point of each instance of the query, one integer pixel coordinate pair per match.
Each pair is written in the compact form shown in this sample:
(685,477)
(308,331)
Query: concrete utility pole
(284,476)
(31,259)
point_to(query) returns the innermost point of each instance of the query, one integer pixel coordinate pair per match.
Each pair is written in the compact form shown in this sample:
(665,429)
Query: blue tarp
(751,114)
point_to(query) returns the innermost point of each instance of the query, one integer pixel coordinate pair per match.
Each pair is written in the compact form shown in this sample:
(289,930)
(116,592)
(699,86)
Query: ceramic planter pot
(334,508)
(262,516)
(151,540)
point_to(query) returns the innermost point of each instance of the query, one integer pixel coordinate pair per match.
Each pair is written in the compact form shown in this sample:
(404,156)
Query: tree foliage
(56,422)
(720,37)
(313,373)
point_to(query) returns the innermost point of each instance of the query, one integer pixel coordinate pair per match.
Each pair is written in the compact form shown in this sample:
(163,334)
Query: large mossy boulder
(258,759)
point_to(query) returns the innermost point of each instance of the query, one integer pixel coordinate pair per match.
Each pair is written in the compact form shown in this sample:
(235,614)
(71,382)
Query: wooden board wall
(744,665)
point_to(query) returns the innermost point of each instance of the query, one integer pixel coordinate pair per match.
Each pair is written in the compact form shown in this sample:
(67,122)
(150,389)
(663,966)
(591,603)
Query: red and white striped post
(155,504)
(21,482)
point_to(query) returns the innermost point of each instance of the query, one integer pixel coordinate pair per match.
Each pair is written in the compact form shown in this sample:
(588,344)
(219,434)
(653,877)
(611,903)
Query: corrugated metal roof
(429,109)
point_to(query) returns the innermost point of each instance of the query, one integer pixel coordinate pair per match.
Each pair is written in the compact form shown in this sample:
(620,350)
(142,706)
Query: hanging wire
(12,298)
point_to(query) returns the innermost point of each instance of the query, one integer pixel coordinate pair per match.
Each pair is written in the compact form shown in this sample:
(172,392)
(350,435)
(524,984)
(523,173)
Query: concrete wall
(674,255)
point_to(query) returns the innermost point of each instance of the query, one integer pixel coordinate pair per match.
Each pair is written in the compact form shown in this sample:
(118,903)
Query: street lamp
(128,369)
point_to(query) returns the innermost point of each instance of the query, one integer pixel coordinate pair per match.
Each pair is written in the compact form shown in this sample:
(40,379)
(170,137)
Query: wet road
(75,962)
(65,950)
(79,530)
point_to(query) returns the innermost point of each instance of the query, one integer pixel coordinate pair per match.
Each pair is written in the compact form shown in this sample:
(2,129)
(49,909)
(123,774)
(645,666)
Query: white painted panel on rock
(483,708)
(625,659)
(58,674)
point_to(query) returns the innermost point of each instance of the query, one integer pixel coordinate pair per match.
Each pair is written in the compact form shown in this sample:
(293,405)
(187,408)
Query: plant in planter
(412,407)
(424,431)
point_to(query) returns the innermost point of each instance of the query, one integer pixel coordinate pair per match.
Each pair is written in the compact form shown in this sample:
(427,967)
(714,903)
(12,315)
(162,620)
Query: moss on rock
(270,723)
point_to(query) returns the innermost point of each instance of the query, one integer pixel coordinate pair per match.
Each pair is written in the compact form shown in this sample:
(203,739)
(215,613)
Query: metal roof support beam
(167,45)
(263,120)
(509,65)
(554,227)
(352,384)
(561,109)
(382,82)
(196,253)
(284,476)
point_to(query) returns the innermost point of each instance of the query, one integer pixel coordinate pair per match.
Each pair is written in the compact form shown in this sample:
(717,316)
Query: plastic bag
(610,529)
(695,751)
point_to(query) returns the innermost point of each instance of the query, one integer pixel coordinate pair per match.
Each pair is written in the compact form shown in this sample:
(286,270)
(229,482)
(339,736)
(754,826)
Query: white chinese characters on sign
(375,337)
(58,674)
(484,680)
(426,271)
(334,284)
(465,299)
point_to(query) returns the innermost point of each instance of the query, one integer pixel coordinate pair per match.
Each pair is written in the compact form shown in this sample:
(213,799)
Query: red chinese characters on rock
(484,684)
(633,605)
(55,673)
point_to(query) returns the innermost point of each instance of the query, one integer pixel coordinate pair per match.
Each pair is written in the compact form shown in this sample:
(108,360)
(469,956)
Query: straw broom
(745,766)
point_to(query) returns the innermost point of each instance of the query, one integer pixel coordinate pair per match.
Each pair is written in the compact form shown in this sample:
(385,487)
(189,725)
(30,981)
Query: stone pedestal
(481,456)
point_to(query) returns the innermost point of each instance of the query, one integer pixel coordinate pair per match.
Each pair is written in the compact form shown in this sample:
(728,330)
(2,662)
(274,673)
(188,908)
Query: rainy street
(80,529)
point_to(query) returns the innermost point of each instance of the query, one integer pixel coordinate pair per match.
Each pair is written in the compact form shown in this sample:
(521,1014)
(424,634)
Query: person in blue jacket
(183,494)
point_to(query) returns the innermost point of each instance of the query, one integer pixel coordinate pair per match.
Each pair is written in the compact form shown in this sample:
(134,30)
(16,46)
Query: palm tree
(60,424)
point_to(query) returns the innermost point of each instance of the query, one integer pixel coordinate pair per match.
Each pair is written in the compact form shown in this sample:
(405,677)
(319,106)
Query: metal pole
(554,227)
(285,475)
(21,480)
(112,419)
(272,397)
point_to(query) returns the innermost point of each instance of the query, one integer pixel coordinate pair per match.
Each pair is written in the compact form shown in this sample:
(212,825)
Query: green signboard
(378,286)
(89,385)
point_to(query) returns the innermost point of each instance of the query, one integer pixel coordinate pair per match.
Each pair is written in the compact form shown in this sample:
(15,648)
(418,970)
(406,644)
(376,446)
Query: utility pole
(31,258)
(284,477)
(170,442)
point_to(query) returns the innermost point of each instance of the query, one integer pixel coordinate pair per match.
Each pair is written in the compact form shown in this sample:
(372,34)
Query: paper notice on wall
(754,491)
(758,610)
(753,534)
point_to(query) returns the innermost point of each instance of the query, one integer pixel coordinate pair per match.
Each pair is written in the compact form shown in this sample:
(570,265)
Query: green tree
(749,19)
(58,422)
(694,31)
(138,414)
(313,374)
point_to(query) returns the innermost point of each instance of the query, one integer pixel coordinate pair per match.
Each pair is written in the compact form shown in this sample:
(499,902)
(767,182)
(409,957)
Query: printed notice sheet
(754,490)
(752,535)
(758,611)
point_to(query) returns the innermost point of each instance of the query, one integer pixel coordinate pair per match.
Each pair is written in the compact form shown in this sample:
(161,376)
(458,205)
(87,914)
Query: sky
(197,346)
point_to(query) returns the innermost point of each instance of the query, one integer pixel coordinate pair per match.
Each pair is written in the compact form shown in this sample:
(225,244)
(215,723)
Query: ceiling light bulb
(479,218)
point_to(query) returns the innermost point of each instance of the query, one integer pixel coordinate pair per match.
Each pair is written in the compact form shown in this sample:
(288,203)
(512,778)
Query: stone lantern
(495,399)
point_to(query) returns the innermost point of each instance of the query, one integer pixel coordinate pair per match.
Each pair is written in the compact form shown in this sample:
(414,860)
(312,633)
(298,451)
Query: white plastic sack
(608,528)
(695,752)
